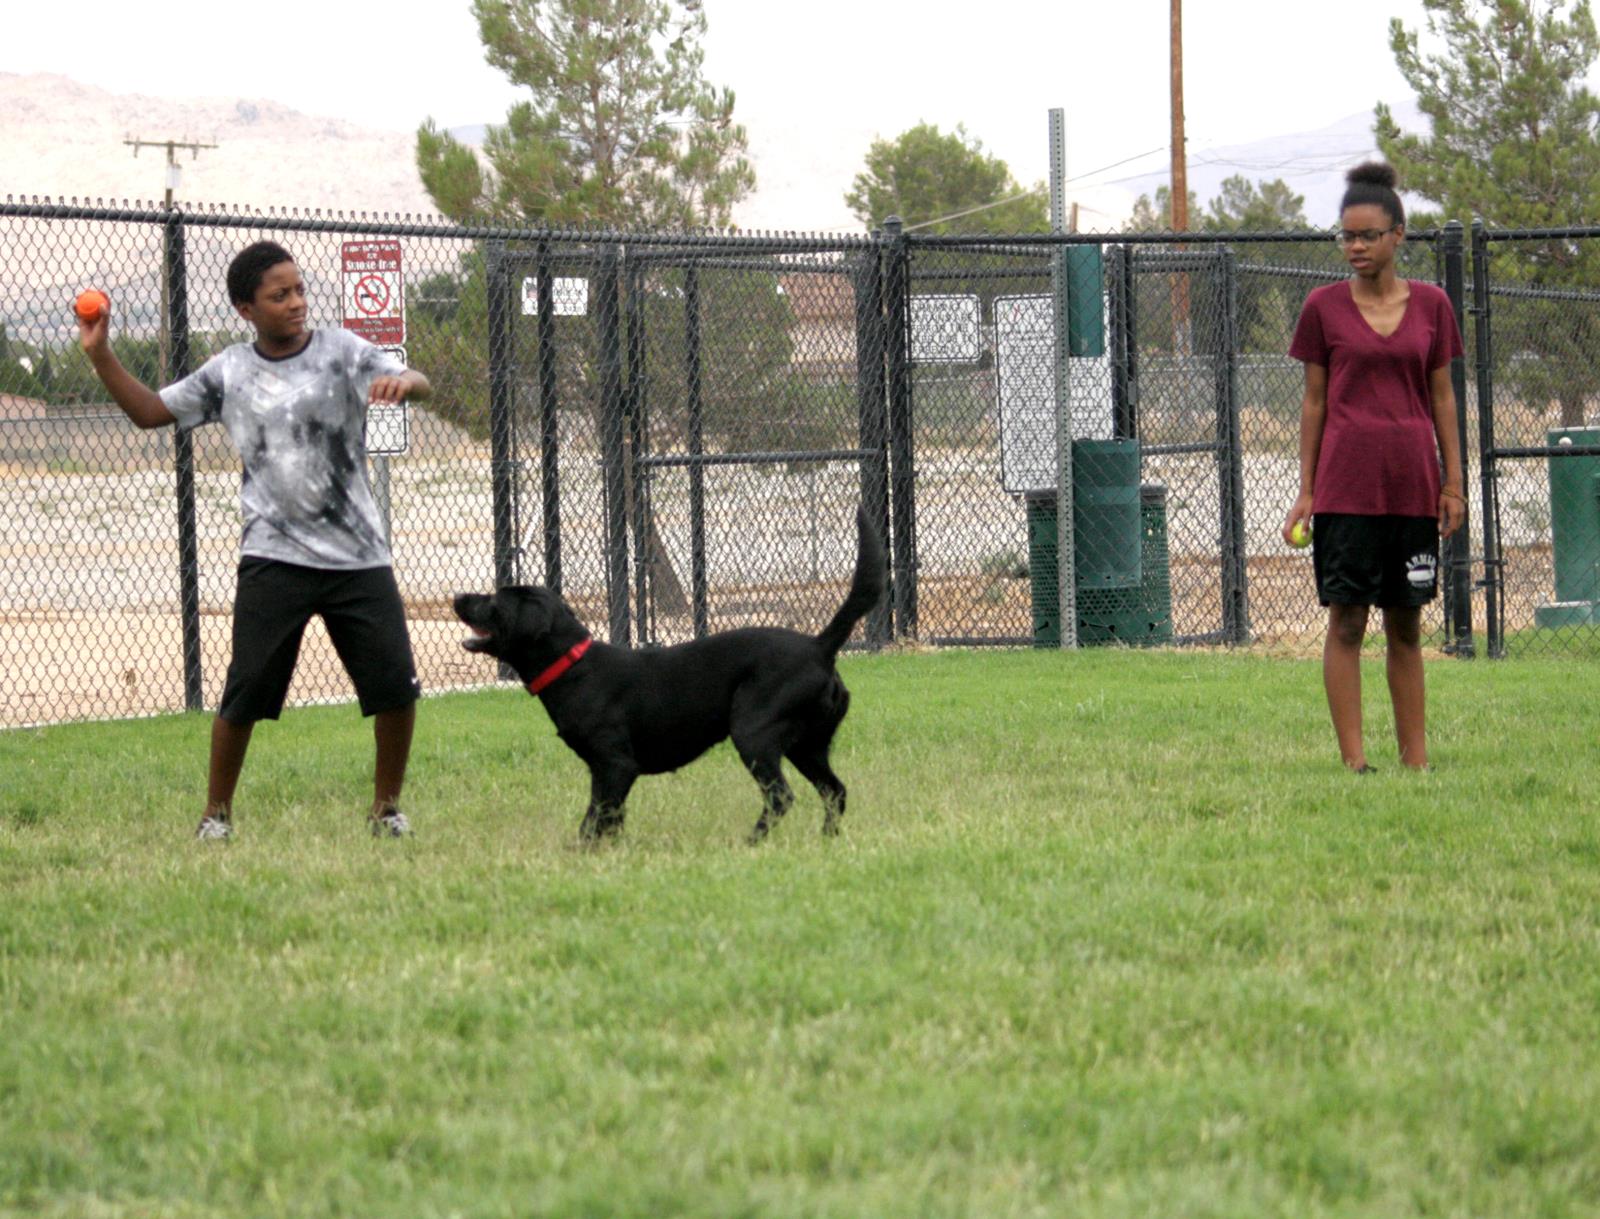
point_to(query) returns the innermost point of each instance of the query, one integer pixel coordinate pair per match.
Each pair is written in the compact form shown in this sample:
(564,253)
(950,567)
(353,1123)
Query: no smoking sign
(374,291)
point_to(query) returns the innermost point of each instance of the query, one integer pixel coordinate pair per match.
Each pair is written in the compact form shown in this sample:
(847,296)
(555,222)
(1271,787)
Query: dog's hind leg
(608,791)
(767,770)
(810,758)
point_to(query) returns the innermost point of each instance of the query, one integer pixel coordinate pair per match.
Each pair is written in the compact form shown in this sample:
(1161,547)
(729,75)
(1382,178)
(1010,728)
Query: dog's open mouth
(477,616)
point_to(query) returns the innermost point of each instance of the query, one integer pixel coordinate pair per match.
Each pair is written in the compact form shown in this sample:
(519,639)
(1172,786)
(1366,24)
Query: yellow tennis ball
(1300,534)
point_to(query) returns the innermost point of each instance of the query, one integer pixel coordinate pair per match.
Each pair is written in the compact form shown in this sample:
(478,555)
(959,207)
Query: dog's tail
(866,589)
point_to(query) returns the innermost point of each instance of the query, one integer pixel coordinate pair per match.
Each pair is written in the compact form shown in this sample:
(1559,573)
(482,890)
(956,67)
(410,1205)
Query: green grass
(1108,934)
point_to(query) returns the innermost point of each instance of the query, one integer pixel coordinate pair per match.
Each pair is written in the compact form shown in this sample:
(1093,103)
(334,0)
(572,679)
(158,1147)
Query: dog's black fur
(628,713)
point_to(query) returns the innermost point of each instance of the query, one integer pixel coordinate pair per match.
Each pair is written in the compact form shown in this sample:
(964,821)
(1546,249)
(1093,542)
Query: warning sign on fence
(374,291)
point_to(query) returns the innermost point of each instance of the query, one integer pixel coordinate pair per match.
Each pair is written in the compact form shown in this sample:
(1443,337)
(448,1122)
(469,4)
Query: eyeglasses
(1343,237)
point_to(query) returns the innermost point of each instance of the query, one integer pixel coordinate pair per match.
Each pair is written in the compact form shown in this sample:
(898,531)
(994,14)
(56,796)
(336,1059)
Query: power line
(1038,190)
(972,211)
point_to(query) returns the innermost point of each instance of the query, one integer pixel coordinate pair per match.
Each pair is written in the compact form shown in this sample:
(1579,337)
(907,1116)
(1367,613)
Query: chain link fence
(675,431)
(1536,313)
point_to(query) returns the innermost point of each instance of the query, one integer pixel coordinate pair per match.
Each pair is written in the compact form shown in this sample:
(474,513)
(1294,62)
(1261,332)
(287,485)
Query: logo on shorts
(1422,569)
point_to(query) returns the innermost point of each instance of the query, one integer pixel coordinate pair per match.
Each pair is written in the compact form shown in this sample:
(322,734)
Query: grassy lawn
(1107,934)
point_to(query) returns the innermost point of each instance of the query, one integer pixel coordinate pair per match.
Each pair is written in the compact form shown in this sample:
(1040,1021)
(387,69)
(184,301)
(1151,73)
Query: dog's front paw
(597,826)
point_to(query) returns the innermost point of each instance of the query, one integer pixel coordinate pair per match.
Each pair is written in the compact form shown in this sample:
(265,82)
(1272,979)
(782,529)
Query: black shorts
(365,619)
(1388,561)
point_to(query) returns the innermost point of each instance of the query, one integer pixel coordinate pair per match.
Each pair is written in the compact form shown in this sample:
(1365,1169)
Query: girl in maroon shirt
(1377,420)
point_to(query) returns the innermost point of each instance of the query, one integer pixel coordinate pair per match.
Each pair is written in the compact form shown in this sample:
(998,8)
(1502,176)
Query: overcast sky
(815,82)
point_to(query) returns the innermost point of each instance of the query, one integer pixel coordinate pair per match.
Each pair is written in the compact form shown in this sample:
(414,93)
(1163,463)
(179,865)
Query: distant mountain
(65,139)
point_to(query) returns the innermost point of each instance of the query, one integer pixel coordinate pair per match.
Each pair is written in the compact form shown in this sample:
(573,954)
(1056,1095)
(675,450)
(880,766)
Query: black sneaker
(391,823)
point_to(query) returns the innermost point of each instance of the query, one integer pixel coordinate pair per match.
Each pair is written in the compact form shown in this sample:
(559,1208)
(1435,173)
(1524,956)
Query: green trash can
(1042,575)
(1137,615)
(1105,513)
(1574,531)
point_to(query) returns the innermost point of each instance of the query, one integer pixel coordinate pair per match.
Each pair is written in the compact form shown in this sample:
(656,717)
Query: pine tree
(620,129)
(1513,141)
(943,183)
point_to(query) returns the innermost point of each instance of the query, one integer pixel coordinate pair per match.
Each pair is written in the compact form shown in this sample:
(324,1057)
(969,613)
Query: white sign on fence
(946,329)
(569,294)
(1025,387)
(389,423)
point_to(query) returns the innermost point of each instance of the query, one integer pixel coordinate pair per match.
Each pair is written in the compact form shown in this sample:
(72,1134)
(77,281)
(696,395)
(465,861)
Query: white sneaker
(214,829)
(391,824)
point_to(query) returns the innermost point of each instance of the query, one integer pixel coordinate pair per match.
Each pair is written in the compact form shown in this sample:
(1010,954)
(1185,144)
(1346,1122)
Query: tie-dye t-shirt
(299,425)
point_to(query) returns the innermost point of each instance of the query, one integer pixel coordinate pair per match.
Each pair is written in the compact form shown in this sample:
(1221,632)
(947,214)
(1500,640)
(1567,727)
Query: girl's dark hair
(249,266)
(1374,182)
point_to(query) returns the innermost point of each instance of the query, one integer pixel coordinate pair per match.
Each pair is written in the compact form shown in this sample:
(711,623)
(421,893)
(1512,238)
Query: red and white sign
(374,291)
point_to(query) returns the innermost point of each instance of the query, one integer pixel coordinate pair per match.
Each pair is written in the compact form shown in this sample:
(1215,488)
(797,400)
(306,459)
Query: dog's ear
(523,612)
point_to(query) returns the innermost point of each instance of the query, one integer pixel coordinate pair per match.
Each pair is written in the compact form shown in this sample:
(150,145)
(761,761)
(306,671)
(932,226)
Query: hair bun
(1375,172)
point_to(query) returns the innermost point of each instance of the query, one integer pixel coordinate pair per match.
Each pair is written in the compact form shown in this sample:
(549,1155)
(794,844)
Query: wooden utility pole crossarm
(193,147)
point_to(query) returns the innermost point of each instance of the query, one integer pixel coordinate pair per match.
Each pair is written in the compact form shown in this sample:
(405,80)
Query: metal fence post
(502,425)
(177,320)
(1124,385)
(870,407)
(1488,471)
(1458,590)
(635,407)
(608,319)
(502,392)
(1066,533)
(698,594)
(902,468)
(549,419)
(1230,457)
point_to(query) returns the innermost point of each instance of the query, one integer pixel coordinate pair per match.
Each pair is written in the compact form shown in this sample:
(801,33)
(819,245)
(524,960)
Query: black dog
(630,713)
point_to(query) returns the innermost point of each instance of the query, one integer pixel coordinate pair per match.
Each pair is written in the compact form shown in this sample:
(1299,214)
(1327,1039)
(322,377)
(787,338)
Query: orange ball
(91,305)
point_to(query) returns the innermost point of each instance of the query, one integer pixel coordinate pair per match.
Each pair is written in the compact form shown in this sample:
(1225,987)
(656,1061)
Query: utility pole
(1180,179)
(182,445)
(174,173)
(1180,168)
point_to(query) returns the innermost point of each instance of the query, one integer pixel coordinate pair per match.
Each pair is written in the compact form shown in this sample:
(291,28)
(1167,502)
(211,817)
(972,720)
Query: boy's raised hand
(92,335)
(388,389)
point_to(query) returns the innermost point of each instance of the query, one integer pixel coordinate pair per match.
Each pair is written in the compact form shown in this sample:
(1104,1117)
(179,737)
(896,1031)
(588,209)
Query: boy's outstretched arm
(138,401)
(410,385)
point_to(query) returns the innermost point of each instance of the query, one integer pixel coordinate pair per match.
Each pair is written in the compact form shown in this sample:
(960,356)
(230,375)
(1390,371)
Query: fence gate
(682,428)
(1175,358)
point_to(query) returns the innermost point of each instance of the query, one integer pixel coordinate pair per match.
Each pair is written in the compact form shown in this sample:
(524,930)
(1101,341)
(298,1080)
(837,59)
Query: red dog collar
(568,658)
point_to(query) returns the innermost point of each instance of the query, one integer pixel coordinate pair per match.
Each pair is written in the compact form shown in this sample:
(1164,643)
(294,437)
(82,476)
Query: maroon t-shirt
(1379,455)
